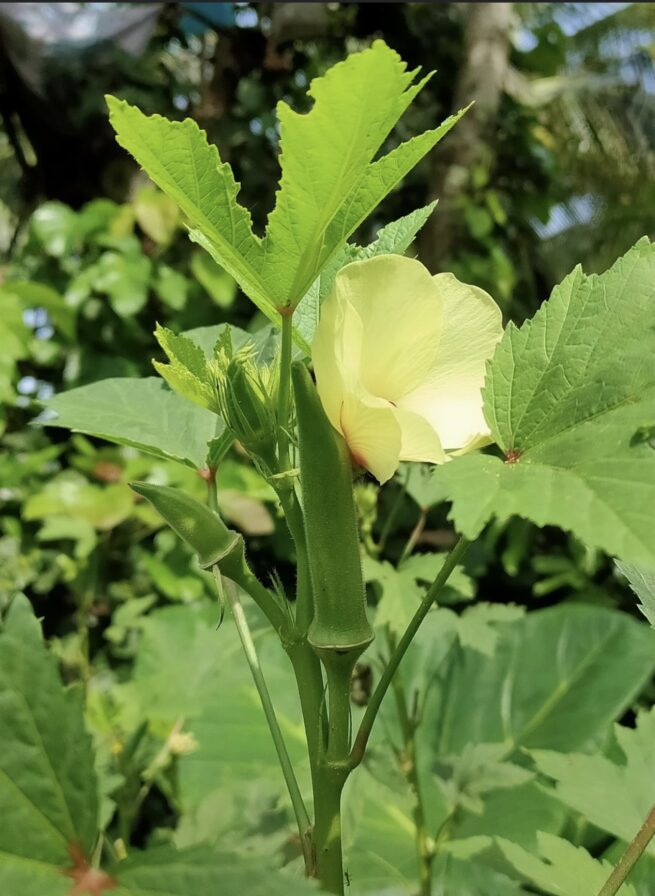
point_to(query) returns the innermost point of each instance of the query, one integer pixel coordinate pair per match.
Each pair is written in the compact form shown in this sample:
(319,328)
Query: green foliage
(642,582)
(142,413)
(329,182)
(181,753)
(187,371)
(572,459)
(201,871)
(49,794)
(546,704)
(48,789)
(562,869)
(627,793)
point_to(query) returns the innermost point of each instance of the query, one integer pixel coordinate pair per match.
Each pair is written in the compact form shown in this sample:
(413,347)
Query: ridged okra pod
(340,625)
(213,542)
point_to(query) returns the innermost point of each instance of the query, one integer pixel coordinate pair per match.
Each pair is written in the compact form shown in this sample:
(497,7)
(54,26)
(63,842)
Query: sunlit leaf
(565,395)
(143,413)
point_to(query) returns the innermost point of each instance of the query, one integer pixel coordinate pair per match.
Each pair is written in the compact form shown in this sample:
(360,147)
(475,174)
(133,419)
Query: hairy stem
(630,857)
(300,811)
(359,747)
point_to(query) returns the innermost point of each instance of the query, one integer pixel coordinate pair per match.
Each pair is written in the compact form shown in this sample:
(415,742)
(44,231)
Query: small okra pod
(340,624)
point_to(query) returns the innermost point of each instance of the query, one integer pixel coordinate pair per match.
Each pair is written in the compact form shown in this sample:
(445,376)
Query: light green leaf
(380,845)
(565,396)
(396,238)
(563,869)
(264,342)
(478,770)
(329,182)
(48,789)
(171,287)
(616,798)
(471,878)
(642,582)
(201,872)
(401,592)
(187,371)
(516,813)
(328,185)
(142,413)
(379,836)
(535,690)
(178,158)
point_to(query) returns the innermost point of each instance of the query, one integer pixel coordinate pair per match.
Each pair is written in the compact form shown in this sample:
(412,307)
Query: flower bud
(246,403)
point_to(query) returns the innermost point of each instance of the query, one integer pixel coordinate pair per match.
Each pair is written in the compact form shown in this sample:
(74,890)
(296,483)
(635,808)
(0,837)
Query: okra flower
(399,357)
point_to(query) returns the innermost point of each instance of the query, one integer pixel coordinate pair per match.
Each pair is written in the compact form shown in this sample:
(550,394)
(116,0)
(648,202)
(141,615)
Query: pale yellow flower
(399,357)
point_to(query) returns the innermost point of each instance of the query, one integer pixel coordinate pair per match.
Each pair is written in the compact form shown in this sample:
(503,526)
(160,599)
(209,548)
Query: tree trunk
(481,79)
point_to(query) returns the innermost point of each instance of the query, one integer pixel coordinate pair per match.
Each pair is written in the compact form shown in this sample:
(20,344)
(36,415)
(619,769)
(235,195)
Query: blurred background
(554,166)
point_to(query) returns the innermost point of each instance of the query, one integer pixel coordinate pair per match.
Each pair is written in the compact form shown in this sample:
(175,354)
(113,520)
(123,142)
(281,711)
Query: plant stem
(409,765)
(359,747)
(327,830)
(300,811)
(284,391)
(630,857)
(249,583)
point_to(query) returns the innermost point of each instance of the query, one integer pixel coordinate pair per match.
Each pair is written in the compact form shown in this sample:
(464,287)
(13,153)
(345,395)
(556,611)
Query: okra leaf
(561,869)
(141,413)
(48,787)
(628,788)
(642,582)
(567,397)
(200,871)
(331,179)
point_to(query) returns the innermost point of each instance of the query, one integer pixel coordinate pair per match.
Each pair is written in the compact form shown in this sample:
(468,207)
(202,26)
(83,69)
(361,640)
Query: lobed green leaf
(566,397)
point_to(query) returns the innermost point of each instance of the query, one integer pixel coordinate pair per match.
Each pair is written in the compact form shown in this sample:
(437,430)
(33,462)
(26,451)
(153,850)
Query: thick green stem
(327,829)
(630,857)
(359,747)
(333,771)
(300,811)
(309,681)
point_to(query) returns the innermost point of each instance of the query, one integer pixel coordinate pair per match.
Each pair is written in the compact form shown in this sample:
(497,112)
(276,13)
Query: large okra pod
(340,624)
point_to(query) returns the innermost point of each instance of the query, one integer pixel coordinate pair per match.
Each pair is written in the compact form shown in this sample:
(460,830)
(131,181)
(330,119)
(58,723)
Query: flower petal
(400,308)
(418,439)
(372,434)
(336,353)
(450,399)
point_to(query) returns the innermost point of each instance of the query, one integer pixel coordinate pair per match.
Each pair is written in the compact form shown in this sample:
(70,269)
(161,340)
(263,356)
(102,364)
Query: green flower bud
(245,400)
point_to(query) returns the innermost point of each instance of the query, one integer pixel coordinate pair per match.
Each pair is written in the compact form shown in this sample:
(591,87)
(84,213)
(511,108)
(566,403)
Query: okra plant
(372,365)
